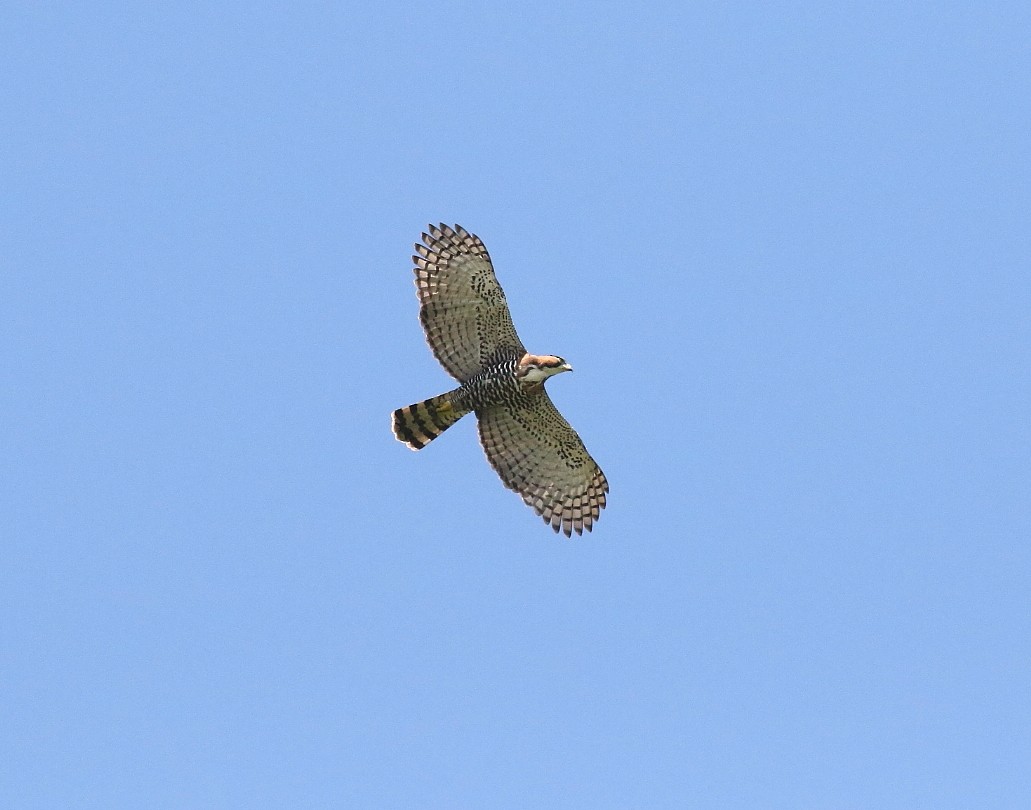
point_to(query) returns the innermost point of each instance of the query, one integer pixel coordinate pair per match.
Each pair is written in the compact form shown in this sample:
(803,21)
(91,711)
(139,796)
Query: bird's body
(512,383)
(468,326)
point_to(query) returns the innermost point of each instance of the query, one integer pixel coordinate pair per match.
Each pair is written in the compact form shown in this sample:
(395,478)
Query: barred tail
(419,424)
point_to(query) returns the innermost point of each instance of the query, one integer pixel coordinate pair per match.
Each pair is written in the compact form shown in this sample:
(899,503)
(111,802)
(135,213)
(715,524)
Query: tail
(419,424)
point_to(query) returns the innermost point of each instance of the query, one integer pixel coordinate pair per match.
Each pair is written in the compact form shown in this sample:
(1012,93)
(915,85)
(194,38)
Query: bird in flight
(467,324)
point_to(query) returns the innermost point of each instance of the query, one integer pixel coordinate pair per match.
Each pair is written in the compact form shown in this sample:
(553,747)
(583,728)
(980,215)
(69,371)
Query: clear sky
(787,248)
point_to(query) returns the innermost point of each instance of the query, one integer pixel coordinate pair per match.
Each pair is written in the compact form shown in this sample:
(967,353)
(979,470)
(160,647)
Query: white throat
(536,375)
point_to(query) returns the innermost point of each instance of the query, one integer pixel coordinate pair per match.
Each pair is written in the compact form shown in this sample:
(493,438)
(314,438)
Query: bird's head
(536,368)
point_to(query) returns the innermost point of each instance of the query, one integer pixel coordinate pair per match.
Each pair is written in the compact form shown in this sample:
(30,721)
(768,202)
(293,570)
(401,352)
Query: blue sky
(786,247)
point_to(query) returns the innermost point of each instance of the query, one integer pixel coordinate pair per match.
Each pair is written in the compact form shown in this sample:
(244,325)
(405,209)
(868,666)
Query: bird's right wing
(463,308)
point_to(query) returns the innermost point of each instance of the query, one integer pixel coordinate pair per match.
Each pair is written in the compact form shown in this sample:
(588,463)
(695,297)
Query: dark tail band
(419,424)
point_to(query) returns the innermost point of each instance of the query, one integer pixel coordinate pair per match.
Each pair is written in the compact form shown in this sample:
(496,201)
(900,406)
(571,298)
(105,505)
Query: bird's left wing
(539,455)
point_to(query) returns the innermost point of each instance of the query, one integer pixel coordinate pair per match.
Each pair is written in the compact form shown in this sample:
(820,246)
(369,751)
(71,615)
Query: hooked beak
(566,367)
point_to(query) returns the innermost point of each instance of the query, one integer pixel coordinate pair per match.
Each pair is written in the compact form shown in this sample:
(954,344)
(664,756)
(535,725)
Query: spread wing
(538,454)
(463,308)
